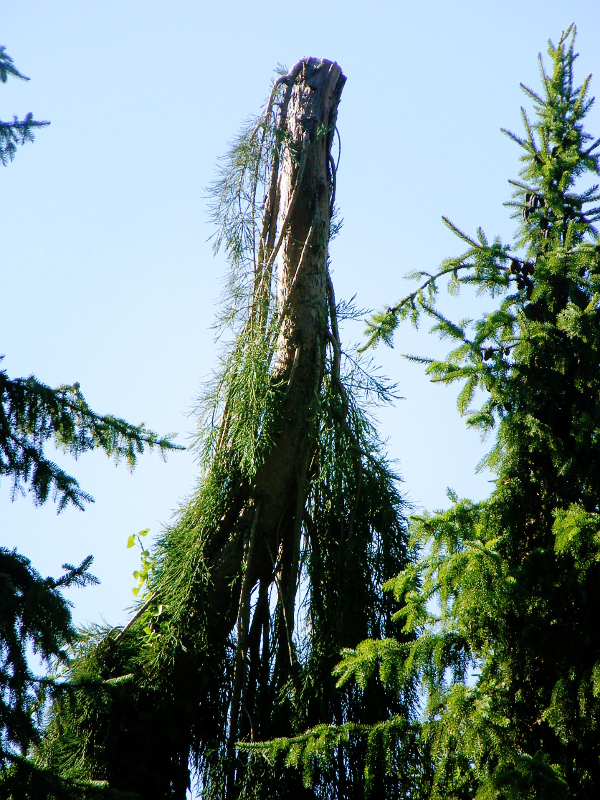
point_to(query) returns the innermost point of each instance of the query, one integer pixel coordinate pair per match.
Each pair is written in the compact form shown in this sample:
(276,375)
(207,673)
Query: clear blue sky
(107,275)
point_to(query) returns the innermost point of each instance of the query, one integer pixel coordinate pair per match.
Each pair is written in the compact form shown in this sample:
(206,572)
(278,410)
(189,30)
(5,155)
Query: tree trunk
(260,539)
(188,696)
(305,191)
(209,660)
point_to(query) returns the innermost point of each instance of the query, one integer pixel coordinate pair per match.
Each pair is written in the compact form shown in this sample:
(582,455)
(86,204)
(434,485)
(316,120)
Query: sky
(107,271)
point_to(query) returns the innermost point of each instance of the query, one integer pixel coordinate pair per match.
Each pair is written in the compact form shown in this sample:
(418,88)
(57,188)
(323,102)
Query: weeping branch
(284,506)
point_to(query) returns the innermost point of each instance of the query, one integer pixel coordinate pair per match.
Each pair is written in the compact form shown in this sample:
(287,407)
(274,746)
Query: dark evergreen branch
(7,67)
(32,413)
(15,133)
(33,614)
(77,576)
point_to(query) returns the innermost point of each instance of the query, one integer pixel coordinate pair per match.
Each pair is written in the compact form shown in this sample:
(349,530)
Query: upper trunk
(305,210)
(276,495)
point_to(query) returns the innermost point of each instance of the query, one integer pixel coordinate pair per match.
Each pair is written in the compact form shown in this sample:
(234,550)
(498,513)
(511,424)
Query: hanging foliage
(278,560)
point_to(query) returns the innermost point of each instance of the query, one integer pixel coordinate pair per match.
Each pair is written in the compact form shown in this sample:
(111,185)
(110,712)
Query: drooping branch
(302,193)
(227,654)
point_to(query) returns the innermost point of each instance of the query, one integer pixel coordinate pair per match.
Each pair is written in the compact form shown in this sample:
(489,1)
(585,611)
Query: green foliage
(32,413)
(145,573)
(169,655)
(17,132)
(320,592)
(241,395)
(388,743)
(470,657)
(90,697)
(34,618)
(502,596)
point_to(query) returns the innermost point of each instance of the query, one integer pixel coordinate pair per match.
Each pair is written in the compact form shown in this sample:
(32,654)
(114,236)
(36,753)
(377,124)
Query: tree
(33,612)
(502,601)
(34,616)
(278,559)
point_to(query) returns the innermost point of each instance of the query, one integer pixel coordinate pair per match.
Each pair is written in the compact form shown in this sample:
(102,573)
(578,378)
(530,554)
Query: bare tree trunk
(305,191)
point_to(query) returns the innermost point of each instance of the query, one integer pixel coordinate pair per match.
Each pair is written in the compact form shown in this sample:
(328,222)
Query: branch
(32,413)
(141,610)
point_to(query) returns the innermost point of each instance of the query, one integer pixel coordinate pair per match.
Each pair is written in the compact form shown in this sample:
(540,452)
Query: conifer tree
(503,597)
(34,615)
(278,559)
(34,618)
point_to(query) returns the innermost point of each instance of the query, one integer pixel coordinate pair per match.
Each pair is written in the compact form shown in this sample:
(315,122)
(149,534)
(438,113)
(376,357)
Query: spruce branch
(32,413)
(77,576)
(7,67)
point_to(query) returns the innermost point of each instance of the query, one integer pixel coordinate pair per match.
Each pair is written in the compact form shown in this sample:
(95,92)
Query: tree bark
(261,539)
(305,187)
(305,192)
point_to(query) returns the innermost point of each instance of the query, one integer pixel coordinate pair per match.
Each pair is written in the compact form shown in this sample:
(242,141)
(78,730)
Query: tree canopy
(499,604)
(35,618)
(278,559)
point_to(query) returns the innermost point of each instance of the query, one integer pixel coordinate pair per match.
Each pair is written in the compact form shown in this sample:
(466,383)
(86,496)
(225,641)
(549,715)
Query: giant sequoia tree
(502,602)
(278,560)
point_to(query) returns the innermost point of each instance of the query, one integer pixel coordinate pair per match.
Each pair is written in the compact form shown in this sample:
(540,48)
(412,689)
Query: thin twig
(135,617)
